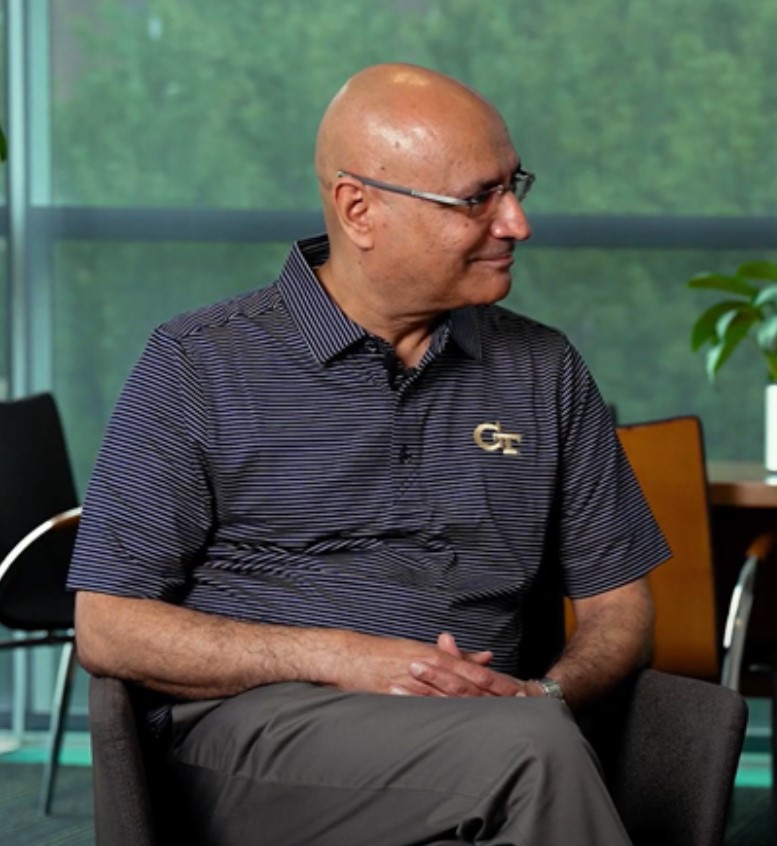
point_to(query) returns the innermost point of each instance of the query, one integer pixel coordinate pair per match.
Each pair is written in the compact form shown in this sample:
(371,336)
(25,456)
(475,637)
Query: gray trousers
(301,765)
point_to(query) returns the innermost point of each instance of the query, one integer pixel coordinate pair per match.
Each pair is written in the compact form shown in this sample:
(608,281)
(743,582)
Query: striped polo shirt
(270,460)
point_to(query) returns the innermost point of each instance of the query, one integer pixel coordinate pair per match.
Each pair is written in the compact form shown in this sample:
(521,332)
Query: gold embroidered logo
(491,438)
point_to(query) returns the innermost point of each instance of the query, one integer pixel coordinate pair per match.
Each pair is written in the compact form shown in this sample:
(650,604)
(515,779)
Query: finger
(463,679)
(522,688)
(412,688)
(447,643)
(444,681)
(397,690)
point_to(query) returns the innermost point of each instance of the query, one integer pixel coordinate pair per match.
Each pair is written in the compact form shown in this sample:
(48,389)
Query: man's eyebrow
(487,184)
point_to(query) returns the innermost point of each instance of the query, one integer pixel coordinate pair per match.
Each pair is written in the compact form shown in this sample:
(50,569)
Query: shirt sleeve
(608,535)
(148,509)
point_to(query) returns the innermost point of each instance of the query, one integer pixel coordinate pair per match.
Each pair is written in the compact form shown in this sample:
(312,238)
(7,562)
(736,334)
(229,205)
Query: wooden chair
(38,519)
(668,459)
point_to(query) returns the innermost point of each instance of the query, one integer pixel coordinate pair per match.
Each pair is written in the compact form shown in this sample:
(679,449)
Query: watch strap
(551,688)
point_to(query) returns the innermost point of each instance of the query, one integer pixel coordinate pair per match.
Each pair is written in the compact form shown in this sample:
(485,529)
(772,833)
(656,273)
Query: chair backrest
(668,459)
(36,483)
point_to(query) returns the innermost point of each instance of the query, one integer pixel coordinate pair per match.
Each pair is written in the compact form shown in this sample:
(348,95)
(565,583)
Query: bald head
(401,154)
(388,120)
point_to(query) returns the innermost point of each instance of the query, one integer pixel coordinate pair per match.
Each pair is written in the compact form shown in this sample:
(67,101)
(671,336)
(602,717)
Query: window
(631,116)
(166,161)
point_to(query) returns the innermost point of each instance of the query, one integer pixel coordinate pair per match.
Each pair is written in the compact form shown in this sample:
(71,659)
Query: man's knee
(539,730)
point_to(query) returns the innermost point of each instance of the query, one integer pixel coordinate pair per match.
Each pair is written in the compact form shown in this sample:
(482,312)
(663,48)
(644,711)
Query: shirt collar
(325,328)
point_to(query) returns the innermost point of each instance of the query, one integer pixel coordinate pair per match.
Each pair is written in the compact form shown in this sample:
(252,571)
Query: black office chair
(39,514)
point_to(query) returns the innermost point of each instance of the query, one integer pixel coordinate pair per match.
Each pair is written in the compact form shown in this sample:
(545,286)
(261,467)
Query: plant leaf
(705,328)
(717,356)
(766,336)
(766,295)
(758,270)
(734,325)
(732,328)
(719,282)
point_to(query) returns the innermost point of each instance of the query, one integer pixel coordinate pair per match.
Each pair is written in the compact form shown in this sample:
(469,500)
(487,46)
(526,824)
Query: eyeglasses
(520,184)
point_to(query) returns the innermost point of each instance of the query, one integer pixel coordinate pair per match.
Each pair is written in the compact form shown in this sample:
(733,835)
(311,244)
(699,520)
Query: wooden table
(742,484)
(743,499)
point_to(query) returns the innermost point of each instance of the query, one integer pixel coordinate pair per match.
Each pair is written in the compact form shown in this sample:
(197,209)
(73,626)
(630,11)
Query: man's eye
(481,197)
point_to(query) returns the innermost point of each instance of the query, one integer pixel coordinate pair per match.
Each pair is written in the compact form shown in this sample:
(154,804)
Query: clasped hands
(409,668)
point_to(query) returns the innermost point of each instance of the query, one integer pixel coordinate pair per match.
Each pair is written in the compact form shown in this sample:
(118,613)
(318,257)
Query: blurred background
(160,157)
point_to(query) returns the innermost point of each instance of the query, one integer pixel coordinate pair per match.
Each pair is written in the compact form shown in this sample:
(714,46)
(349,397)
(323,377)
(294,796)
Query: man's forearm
(613,637)
(202,656)
(191,654)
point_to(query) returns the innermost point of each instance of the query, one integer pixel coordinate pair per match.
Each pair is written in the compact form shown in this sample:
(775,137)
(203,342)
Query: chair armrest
(123,815)
(738,617)
(670,746)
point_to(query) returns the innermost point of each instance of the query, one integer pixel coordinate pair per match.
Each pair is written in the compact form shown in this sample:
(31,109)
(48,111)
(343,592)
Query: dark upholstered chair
(121,768)
(39,514)
(669,745)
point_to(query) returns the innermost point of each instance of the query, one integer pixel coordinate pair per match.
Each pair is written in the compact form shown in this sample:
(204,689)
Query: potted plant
(747,312)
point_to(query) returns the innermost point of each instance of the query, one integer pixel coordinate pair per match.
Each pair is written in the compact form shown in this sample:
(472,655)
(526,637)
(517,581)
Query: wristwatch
(551,687)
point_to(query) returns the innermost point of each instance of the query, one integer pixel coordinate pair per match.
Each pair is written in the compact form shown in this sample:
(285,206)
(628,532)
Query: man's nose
(510,220)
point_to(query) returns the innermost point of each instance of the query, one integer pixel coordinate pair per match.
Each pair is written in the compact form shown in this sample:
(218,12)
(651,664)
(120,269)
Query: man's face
(437,257)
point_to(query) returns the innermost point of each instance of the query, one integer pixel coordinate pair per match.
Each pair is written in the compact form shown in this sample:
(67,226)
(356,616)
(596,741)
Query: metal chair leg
(737,620)
(59,709)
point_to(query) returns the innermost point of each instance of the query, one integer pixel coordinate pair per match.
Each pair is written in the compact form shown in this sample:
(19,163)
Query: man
(319,505)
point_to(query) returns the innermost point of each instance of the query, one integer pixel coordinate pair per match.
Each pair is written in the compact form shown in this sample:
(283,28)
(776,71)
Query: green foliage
(751,314)
(649,108)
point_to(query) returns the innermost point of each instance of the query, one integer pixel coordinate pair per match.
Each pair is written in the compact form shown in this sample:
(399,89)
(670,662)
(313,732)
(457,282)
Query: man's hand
(405,667)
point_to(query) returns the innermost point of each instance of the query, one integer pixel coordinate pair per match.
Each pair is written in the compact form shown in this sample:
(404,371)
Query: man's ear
(355,212)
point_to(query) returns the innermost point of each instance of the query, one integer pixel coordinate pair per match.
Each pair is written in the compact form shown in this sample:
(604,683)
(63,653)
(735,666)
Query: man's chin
(496,288)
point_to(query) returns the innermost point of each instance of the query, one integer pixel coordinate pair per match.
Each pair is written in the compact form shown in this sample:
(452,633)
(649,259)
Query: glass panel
(630,315)
(5,328)
(108,298)
(3,96)
(631,108)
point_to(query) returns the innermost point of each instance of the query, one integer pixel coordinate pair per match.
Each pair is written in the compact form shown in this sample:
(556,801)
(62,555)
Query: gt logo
(491,438)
